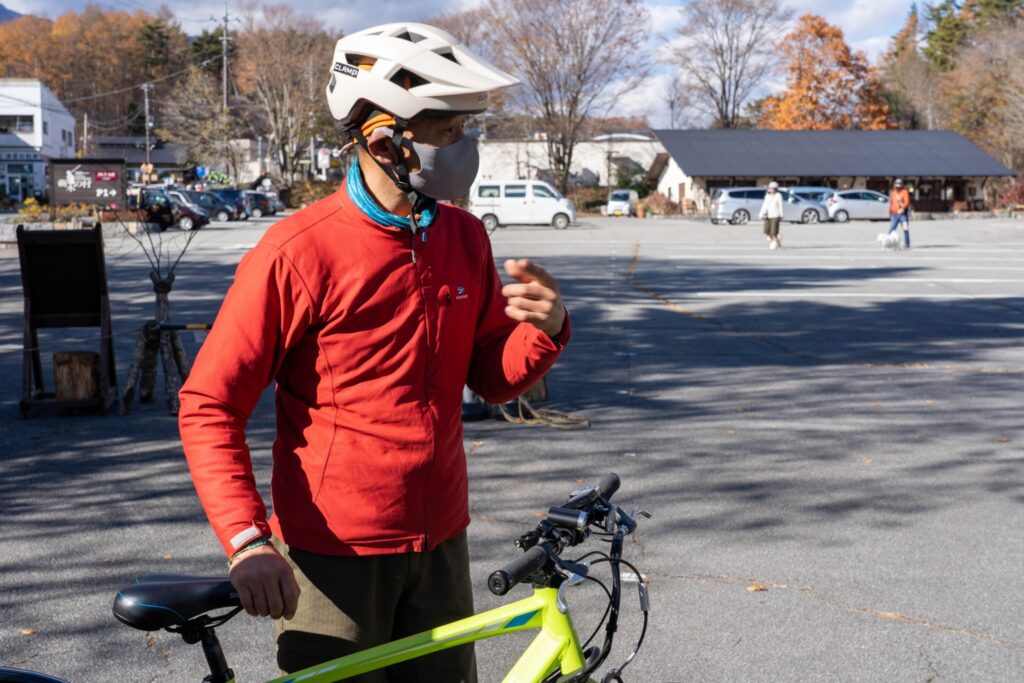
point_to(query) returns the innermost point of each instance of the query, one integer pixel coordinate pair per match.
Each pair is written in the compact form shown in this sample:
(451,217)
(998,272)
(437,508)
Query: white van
(622,203)
(520,202)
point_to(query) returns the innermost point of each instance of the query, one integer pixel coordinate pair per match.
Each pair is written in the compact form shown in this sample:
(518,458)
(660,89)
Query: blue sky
(868,24)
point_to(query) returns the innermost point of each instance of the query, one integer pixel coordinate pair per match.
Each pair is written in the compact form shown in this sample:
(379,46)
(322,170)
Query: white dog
(889,240)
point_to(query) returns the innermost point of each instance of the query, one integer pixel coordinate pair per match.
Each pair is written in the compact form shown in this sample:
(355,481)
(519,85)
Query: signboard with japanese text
(87,181)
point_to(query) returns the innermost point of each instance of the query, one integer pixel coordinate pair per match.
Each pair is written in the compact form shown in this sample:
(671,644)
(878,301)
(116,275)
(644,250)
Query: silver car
(738,205)
(844,205)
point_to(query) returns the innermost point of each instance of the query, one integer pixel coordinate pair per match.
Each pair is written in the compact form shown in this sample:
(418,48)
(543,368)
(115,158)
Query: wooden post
(76,375)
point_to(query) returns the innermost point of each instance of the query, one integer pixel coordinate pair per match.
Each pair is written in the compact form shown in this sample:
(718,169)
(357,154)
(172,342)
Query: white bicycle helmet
(407,69)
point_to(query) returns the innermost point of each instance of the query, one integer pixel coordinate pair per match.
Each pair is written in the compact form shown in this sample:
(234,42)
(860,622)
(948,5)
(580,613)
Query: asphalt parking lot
(829,437)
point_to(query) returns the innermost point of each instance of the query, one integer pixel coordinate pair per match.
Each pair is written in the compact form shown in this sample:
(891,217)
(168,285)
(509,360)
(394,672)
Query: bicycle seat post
(219,670)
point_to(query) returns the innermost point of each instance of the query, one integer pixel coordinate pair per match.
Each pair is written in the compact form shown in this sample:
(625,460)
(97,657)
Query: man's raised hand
(534,298)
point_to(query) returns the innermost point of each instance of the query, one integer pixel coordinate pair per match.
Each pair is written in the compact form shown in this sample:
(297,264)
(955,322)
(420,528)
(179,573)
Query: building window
(46,127)
(17,124)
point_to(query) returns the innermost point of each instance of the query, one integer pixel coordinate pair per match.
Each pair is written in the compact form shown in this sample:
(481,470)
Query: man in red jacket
(371,310)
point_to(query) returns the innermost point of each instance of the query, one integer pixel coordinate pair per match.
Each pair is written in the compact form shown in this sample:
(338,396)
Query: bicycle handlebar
(609,485)
(575,516)
(519,569)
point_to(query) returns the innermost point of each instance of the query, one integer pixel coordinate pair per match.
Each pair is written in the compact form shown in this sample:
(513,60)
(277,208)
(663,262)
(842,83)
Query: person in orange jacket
(899,210)
(371,310)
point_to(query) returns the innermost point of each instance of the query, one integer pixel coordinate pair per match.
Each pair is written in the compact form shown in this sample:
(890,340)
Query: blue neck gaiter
(361,197)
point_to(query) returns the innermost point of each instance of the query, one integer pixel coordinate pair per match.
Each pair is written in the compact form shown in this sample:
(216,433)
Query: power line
(36,104)
(139,85)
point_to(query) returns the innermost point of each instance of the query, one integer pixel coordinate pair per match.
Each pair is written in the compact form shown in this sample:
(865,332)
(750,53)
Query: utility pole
(85,135)
(224,39)
(146,87)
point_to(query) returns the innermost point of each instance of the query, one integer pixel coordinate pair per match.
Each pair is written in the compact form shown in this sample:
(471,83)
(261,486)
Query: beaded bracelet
(246,548)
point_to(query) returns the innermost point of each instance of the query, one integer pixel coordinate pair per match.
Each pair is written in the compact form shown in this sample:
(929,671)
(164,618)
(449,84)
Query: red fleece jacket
(370,348)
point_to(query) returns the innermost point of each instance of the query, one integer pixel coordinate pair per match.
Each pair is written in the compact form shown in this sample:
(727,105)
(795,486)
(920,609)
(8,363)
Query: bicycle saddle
(156,601)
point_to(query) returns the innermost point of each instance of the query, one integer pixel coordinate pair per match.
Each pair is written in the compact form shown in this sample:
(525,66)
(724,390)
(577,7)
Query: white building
(34,127)
(593,160)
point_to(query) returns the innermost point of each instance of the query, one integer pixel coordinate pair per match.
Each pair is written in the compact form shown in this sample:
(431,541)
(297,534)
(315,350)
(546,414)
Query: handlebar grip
(609,485)
(506,578)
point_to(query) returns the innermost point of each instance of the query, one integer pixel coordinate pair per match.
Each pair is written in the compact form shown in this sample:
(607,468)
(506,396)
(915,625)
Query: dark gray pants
(771,226)
(351,603)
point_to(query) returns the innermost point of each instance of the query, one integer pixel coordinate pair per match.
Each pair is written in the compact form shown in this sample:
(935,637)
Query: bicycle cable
(615,673)
(603,616)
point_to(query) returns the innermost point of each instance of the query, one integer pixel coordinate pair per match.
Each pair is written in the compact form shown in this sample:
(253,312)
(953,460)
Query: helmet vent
(408,79)
(362,61)
(449,55)
(411,37)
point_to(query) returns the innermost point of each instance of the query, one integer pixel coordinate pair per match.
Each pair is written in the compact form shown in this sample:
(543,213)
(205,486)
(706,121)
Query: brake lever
(640,511)
(574,579)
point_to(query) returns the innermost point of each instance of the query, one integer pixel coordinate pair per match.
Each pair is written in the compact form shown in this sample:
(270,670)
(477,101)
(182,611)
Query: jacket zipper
(426,382)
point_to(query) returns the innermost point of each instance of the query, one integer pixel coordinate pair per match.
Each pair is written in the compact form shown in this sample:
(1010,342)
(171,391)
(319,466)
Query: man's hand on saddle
(265,583)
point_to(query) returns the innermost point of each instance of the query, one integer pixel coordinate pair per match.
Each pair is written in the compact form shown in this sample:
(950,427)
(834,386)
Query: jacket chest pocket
(456,321)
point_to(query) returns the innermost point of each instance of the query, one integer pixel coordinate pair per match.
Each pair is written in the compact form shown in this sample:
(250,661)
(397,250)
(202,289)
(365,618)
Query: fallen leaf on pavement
(1003,439)
(109,560)
(868,461)
(756,587)
(28,631)
(168,556)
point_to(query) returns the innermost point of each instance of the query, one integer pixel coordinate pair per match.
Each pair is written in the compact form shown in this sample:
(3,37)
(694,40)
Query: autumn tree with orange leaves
(830,87)
(81,54)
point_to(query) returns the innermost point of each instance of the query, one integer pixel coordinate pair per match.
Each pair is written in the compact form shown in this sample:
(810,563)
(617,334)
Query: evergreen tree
(206,46)
(155,45)
(953,24)
(948,33)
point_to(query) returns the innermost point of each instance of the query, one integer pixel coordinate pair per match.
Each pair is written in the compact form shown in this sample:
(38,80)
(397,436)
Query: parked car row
(250,204)
(738,205)
(192,209)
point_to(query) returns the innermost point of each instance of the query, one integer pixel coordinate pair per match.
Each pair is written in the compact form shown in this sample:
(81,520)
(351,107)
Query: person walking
(899,210)
(370,309)
(771,212)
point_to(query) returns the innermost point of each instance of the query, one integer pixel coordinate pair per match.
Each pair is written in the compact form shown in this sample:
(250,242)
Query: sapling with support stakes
(159,337)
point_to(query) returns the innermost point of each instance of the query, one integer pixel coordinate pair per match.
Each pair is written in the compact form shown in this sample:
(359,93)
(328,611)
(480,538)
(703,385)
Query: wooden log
(76,375)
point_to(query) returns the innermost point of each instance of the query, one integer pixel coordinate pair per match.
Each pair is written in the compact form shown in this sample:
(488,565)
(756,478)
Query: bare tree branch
(572,56)
(725,50)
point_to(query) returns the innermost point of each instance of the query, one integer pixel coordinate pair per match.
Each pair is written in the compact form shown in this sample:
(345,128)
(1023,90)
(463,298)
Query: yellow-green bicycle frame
(556,647)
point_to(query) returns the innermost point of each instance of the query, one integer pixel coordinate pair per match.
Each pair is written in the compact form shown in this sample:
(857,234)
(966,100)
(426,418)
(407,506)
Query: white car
(520,202)
(739,205)
(622,203)
(844,205)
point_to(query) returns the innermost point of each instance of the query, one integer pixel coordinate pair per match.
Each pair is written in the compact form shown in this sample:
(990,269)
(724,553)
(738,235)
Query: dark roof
(133,150)
(815,153)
